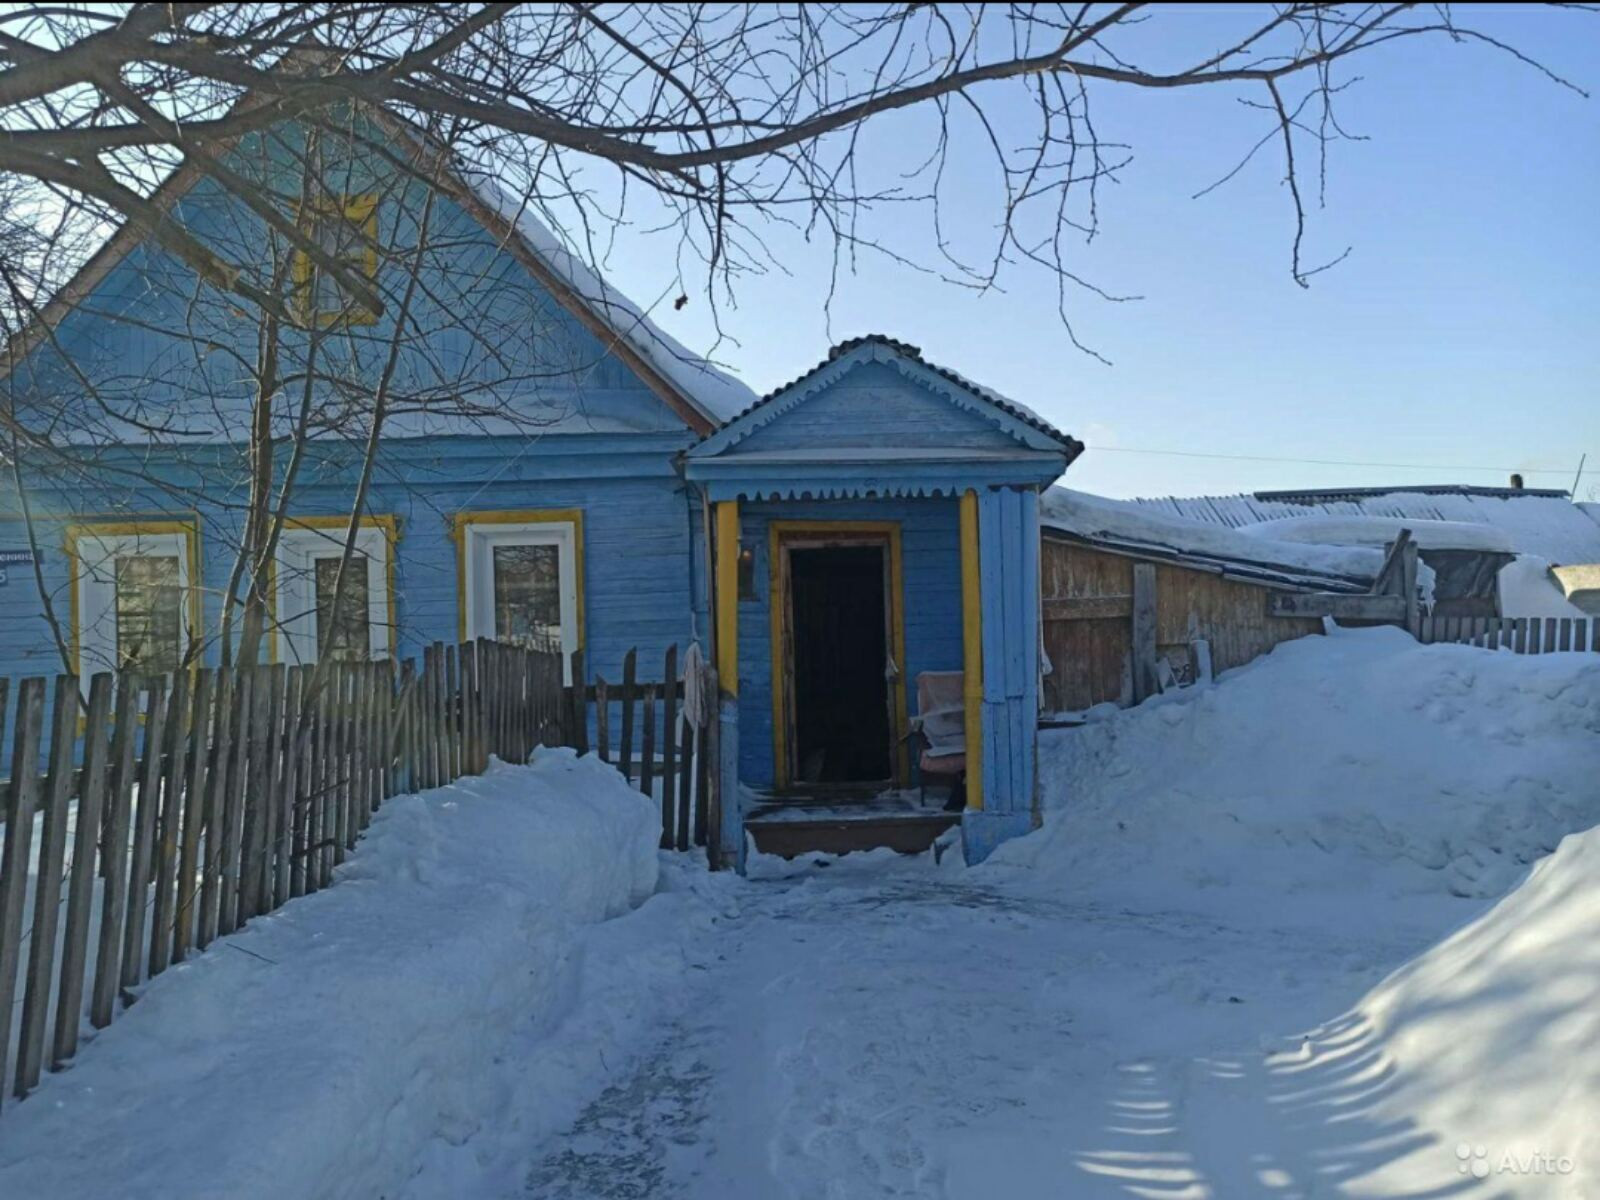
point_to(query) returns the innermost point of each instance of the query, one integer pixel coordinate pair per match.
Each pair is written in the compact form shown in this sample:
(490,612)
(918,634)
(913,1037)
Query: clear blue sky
(1461,331)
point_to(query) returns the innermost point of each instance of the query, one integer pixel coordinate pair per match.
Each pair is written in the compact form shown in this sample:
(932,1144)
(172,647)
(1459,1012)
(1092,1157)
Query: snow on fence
(674,766)
(195,802)
(1525,635)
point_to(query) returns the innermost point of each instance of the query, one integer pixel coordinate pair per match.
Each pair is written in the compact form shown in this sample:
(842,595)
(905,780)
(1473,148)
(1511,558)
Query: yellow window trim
(779,532)
(361,211)
(462,523)
(387,522)
(75,531)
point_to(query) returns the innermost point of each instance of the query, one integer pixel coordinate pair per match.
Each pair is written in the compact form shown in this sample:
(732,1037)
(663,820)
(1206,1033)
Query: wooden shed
(1128,597)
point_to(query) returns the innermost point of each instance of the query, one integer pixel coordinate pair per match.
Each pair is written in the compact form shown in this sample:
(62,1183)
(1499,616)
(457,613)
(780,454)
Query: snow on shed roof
(1540,521)
(1138,529)
(1327,529)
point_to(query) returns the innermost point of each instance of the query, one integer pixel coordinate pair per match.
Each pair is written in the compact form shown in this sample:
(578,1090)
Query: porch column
(972,648)
(1008,568)
(726,645)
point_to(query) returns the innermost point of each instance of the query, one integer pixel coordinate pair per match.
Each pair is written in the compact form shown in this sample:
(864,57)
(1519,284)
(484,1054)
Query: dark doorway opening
(841,693)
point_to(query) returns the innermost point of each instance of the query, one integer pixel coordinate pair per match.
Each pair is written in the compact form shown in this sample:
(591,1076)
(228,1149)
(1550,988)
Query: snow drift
(1349,797)
(1358,763)
(1485,1045)
(311,1054)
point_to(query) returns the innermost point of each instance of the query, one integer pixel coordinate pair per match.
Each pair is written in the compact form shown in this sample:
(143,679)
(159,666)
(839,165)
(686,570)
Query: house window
(523,577)
(346,231)
(318,618)
(135,601)
(344,612)
(149,601)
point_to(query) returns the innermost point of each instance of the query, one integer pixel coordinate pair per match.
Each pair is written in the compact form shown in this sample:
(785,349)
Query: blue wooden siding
(591,435)
(874,406)
(636,526)
(931,564)
(481,328)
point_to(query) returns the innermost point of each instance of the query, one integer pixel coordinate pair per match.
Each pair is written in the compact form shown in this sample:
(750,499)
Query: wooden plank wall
(1088,609)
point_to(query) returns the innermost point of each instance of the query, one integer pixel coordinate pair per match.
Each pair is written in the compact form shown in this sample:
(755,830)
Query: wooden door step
(789,829)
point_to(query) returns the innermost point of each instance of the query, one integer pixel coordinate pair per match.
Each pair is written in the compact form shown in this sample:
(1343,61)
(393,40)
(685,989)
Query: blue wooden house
(552,465)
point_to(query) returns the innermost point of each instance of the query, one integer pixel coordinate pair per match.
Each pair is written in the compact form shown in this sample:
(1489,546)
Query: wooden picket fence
(662,755)
(1525,635)
(198,801)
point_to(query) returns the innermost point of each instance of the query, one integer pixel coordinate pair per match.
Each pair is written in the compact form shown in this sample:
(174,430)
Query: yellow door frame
(784,535)
(972,648)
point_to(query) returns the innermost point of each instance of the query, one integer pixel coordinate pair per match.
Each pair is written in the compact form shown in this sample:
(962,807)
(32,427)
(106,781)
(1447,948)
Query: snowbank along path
(1253,953)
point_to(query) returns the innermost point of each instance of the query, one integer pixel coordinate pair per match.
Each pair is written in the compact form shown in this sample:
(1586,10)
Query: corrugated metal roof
(1541,521)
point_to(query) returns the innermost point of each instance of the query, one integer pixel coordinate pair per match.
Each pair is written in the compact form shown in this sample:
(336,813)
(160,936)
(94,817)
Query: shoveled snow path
(888,1029)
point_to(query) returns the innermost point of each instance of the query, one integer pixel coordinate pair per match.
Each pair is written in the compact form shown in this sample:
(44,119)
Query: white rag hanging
(696,704)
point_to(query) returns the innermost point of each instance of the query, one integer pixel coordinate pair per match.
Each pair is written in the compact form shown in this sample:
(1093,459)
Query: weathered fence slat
(276,677)
(216,801)
(114,856)
(234,807)
(47,896)
(211,796)
(288,786)
(472,754)
(144,831)
(194,814)
(18,846)
(80,884)
(669,749)
(174,774)
(685,776)
(628,664)
(647,754)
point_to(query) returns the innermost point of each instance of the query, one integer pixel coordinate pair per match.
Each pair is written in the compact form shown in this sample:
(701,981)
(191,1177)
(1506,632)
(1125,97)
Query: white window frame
(94,565)
(295,592)
(479,540)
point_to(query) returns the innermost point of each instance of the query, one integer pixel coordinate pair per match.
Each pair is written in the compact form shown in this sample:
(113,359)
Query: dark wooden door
(841,690)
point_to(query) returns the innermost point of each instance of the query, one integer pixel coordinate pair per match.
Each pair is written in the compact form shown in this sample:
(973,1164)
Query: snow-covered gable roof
(1025,427)
(1539,521)
(714,392)
(1132,528)
(698,392)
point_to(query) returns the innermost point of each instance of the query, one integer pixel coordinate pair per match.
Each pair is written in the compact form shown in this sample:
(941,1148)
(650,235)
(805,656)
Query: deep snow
(1228,967)
(1256,950)
(311,1054)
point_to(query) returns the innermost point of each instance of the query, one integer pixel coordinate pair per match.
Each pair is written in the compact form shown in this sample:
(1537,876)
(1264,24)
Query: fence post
(669,748)
(80,885)
(114,856)
(234,808)
(647,753)
(472,762)
(253,796)
(144,830)
(581,705)
(290,824)
(628,687)
(272,791)
(194,813)
(24,796)
(174,775)
(711,759)
(47,897)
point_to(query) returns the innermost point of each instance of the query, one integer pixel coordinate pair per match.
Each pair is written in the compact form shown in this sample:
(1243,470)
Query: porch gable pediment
(873,384)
